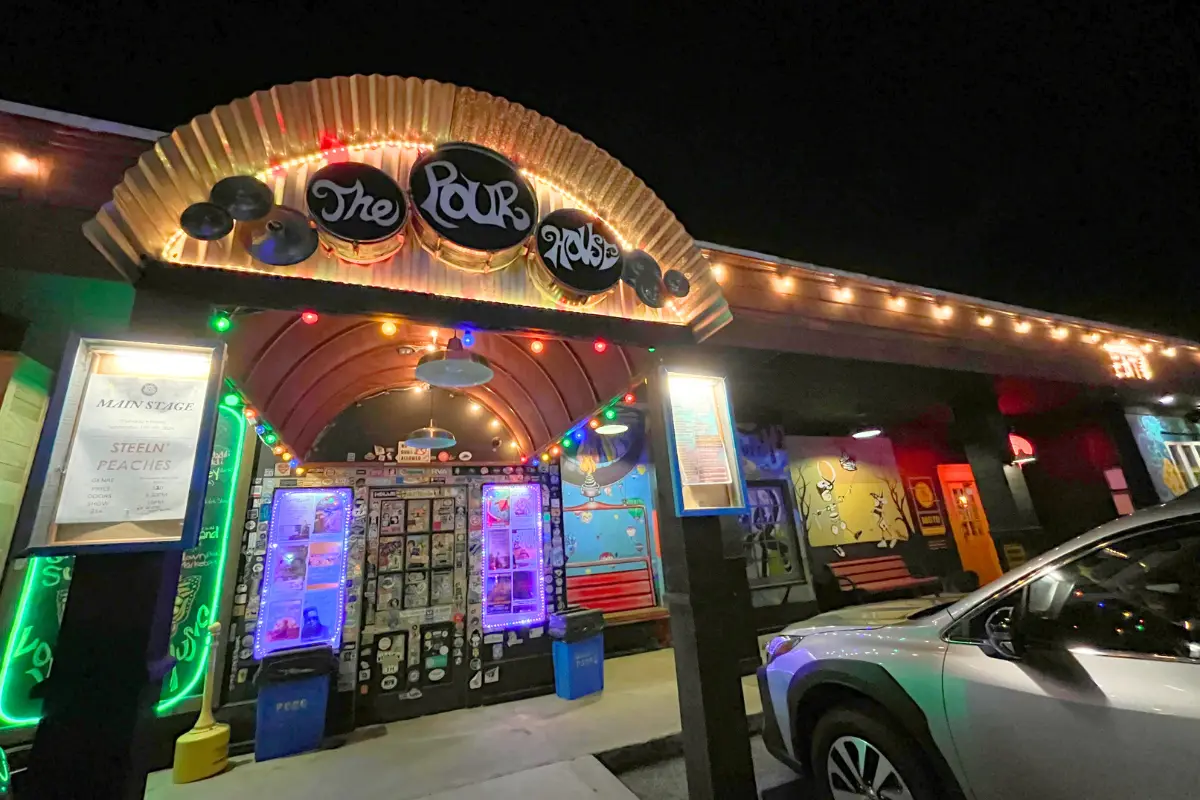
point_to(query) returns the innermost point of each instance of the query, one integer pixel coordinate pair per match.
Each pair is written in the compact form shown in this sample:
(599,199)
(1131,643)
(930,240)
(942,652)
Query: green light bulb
(270,438)
(566,441)
(610,413)
(232,400)
(221,322)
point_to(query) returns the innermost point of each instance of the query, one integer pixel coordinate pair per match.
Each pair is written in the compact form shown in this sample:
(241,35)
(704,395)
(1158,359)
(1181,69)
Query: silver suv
(1074,676)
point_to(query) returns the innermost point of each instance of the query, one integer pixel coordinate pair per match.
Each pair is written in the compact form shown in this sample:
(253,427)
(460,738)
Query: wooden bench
(882,574)
(611,592)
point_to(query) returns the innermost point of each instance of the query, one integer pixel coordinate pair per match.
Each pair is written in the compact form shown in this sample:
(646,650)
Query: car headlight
(782,644)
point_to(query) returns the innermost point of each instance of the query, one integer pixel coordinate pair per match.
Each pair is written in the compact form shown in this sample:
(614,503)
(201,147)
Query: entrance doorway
(971,531)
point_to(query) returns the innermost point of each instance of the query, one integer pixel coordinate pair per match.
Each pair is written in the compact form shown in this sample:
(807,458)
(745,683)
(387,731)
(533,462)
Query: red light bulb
(599,345)
(537,346)
(593,424)
(250,413)
(310,317)
(630,398)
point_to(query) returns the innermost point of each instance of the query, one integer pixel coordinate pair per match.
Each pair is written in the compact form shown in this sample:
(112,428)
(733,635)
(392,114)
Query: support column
(716,736)
(983,433)
(1137,474)
(112,652)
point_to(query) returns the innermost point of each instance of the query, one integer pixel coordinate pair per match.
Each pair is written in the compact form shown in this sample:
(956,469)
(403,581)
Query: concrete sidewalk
(430,756)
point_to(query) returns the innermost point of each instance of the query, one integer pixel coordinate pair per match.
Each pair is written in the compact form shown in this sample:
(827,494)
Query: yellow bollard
(204,750)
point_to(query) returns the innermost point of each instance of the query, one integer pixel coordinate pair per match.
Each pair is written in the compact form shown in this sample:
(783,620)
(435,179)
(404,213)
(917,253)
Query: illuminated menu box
(705,467)
(303,591)
(513,566)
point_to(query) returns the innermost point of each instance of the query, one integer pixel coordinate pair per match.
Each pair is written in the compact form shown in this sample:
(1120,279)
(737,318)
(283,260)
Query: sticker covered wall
(414,638)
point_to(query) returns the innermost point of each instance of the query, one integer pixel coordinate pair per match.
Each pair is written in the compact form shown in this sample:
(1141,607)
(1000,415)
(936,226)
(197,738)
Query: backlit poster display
(512,556)
(705,467)
(303,591)
(123,462)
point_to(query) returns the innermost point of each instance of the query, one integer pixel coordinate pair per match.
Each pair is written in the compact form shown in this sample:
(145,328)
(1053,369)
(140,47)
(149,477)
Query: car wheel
(859,754)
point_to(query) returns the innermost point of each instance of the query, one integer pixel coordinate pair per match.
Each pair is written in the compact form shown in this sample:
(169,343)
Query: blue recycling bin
(293,690)
(578,652)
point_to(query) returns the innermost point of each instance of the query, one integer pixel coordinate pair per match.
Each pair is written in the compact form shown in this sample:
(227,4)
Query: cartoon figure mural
(847,491)
(608,513)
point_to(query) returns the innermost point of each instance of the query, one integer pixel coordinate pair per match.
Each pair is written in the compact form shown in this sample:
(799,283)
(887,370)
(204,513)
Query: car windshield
(929,612)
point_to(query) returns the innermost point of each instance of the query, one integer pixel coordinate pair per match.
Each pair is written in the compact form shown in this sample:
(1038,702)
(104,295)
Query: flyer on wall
(133,449)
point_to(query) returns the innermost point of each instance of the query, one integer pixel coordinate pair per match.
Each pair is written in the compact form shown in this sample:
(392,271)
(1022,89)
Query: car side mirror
(1000,630)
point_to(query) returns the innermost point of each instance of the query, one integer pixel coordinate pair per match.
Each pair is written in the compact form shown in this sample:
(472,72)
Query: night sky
(1049,158)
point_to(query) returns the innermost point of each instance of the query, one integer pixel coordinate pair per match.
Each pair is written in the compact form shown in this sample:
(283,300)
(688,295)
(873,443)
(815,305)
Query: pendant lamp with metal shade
(431,437)
(454,368)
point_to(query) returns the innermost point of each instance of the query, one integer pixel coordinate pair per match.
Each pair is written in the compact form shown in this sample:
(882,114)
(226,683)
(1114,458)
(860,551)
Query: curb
(631,756)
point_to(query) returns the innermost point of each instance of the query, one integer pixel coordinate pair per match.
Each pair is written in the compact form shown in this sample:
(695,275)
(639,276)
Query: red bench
(610,592)
(867,576)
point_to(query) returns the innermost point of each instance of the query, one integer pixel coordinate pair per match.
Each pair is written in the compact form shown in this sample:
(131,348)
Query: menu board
(512,556)
(704,456)
(302,592)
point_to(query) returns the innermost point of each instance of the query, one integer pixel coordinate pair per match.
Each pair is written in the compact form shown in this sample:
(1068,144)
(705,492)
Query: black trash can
(293,690)
(578,651)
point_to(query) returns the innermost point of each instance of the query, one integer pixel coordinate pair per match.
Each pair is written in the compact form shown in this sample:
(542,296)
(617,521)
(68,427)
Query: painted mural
(608,513)
(1152,435)
(773,556)
(848,491)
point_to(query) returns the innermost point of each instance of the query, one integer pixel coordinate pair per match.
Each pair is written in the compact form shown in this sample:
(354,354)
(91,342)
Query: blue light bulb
(260,429)
(295,462)
(578,436)
(468,339)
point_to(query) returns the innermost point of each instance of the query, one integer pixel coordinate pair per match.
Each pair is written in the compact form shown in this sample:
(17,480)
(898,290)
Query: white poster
(133,450)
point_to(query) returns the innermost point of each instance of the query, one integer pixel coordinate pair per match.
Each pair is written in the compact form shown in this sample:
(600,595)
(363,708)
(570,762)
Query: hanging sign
(705,467)
(928,507)
(359,211)
(125,462)
(473,208)
(578,252)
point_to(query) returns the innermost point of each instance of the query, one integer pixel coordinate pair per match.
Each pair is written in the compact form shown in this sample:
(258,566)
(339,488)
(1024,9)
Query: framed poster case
(122,464)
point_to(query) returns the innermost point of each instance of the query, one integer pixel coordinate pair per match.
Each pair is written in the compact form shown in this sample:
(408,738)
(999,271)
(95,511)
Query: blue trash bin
(293,690)
(578,652)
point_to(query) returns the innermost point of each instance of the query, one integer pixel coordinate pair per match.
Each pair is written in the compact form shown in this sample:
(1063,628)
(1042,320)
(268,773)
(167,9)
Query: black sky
(1046,157)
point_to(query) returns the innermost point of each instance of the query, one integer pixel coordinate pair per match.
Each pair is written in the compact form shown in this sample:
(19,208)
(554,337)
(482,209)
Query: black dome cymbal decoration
(642,272)
(245,197)
(206,221)
(677,283)
(284,237)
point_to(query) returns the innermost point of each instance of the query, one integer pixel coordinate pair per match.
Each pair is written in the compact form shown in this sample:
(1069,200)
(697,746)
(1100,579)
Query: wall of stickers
(415,639)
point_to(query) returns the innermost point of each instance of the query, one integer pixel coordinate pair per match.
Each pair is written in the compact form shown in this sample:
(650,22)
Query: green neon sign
(29,651)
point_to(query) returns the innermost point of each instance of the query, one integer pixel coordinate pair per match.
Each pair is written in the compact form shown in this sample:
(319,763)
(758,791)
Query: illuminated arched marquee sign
(406,185)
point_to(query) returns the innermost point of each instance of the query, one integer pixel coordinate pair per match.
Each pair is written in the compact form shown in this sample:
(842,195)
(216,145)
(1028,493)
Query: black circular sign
(474,197)
(580,252)
(356,202)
